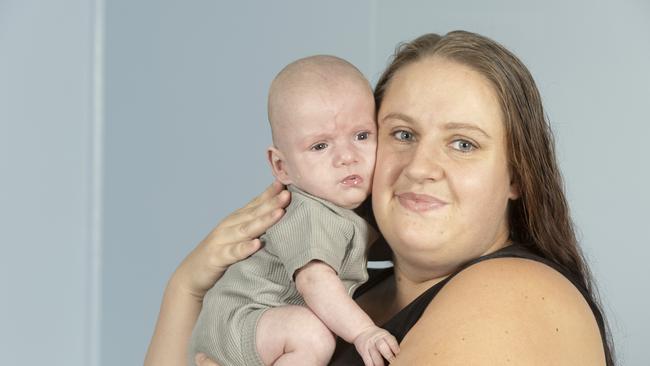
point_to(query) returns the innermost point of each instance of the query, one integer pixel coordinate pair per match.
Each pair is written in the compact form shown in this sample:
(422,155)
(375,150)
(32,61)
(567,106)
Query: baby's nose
(346,157)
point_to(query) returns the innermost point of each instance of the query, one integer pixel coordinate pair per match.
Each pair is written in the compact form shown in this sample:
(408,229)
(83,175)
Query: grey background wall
(186,132)
(91,228)
(48,304)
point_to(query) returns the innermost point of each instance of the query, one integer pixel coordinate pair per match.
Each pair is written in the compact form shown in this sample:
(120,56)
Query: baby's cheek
(370,150)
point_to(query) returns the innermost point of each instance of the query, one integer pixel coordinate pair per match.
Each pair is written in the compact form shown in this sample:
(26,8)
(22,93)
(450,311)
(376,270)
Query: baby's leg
(293,335)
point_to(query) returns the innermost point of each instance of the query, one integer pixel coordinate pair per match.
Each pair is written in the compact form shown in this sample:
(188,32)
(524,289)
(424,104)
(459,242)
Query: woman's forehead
(437,89)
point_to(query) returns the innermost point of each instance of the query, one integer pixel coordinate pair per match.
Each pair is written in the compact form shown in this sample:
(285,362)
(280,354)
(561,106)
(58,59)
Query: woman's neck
(412,280)
(390,296)
(409,285)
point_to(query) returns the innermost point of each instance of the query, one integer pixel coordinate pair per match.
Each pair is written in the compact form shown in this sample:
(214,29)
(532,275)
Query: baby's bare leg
(293,335)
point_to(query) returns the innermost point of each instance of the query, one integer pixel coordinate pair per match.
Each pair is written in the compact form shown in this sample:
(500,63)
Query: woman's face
(442,182)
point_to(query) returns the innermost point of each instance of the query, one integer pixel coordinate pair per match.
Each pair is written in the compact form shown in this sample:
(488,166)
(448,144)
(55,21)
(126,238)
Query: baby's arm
(326,296)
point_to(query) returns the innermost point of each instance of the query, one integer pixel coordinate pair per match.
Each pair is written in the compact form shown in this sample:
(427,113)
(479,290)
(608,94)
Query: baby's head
(322,115)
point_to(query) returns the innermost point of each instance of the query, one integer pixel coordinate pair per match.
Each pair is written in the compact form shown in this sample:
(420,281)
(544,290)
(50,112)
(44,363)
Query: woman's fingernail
(200,357)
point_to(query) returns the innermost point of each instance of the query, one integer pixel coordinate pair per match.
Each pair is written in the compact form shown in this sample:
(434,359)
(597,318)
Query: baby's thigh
(292,328)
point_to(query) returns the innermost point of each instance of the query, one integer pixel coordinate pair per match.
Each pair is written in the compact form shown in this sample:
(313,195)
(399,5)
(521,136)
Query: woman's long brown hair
(540,216)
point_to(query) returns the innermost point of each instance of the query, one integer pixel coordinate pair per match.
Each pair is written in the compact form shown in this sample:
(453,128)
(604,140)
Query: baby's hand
(375,342)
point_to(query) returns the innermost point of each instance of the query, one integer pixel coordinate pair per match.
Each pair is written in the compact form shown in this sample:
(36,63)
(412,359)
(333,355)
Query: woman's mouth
(352,180)
(419,202)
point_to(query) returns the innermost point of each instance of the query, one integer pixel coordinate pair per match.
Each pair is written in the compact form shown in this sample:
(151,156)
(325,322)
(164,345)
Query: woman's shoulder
(504,310)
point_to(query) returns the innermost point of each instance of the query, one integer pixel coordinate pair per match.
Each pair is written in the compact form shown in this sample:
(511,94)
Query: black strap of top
(403,321)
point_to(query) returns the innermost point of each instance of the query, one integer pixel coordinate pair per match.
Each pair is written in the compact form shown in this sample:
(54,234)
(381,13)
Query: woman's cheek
(383,170)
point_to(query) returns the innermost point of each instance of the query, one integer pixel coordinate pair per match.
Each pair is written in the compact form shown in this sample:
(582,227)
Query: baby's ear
(278,166)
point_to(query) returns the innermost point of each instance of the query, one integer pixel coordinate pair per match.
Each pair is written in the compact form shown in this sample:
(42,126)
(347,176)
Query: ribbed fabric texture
(311,229)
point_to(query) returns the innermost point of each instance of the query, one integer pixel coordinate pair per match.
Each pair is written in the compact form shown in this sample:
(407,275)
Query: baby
(322,116)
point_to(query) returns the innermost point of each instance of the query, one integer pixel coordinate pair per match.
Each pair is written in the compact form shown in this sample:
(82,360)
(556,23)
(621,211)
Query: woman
(469,197)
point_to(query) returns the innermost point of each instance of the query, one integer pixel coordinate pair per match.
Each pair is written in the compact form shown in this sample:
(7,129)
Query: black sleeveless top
(402,322)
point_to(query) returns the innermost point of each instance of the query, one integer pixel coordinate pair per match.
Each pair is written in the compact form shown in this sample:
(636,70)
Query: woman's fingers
(241,250)
(272,190)
(201,359)
(227,245)
(255,226)
(249,223)
(232,240)
(259,210)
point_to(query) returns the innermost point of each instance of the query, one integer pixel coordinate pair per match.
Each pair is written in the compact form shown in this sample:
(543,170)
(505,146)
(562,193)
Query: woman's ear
(278,166)
(515,193)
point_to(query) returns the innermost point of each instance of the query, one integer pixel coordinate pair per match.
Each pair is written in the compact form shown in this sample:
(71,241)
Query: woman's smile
(419,202)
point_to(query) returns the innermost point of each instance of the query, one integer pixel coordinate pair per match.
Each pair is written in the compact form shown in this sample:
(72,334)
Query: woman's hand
(234,239)
(201,359)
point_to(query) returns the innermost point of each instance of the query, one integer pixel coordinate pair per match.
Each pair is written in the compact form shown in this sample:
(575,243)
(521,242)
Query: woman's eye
(319,146)
(362,135)
(463,145)
(403,135)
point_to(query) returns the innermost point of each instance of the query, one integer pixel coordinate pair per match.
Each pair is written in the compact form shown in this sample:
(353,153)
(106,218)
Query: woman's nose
(425,164)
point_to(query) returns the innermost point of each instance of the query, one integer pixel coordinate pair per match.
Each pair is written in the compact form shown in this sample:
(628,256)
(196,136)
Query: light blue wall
(185,133)
(46,182)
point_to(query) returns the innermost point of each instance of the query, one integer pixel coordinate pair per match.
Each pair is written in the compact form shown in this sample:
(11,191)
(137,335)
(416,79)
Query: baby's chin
(348,206)
(351,205)
(347,198)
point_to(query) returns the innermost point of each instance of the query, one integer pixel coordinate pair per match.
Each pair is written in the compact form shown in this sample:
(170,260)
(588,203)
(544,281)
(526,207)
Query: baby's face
(329,144)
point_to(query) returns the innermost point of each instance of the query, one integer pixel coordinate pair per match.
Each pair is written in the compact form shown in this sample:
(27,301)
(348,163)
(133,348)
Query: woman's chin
(416,241)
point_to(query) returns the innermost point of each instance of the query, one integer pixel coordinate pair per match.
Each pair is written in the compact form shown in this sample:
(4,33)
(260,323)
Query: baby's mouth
(352,180)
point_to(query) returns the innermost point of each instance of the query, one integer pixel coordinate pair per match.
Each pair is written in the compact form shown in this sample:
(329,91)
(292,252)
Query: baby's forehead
(324,115)
(315,96)
(312,85)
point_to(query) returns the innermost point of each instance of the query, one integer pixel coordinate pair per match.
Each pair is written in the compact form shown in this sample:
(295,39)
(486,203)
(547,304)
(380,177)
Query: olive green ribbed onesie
(311,229)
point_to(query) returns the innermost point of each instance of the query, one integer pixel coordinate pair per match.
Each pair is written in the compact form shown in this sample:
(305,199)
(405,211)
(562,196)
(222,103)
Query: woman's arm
(234,239)
(506,311)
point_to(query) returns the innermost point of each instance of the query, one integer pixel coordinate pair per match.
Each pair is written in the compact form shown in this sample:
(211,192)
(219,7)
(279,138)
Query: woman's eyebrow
(399,116)
(465,126)
(447,126)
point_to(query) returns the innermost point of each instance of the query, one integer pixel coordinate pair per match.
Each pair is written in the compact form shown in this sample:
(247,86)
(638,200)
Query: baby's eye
(402,135)
(362,135)
(463,145)
(319,146)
